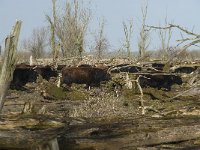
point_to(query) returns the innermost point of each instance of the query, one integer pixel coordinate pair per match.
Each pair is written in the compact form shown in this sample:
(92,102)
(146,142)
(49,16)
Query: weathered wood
(9,61)
(29,132)
(136,133)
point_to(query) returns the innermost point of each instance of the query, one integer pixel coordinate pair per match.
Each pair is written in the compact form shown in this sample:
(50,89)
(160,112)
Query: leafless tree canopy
(101,42)
(71,28)
(37,42)
(165,37)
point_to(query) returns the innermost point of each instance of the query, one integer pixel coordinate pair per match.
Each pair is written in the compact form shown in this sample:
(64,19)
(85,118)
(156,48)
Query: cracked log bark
(9,62)
(129,134)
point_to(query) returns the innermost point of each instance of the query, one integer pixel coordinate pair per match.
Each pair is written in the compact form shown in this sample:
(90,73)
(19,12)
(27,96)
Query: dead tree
(186,42)
(128,32)
(71,27)
(37,42)
(144,33)
(52,23)
(191,41)
(101,42)
(9,61)
(165,37)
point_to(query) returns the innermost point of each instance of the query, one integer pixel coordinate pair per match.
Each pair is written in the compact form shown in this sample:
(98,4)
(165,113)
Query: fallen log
(135,133)
(28,132)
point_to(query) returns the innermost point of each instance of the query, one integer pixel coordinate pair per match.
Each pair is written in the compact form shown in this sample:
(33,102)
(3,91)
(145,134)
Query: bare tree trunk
(53,40)
(144,34)
(52,23)
(128,31)
(9,62)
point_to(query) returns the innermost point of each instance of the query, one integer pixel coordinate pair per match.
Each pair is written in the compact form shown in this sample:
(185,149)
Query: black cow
(125,68)
(159,81)
(23,75)
(46,72)
(158,66)
(185,69)
(84,75)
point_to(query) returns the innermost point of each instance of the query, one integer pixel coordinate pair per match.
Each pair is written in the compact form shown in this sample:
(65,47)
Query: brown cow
(84,75)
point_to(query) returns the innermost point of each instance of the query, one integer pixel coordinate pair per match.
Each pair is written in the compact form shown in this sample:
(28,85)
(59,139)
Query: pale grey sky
(32,13)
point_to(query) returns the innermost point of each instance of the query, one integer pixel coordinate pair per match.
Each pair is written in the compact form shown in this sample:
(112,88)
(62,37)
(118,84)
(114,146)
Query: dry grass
(104,105)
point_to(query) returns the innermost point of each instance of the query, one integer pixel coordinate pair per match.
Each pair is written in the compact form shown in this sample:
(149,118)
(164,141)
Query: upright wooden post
(9,62)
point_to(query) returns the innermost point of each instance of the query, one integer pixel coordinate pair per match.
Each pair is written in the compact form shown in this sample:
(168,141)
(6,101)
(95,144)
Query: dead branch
(174,26)
(159,28)
(180,94)
(194,40)
(184,30)
(141,94)
(191,44)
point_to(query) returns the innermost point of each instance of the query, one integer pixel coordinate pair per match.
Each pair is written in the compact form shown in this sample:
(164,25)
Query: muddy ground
(109,117)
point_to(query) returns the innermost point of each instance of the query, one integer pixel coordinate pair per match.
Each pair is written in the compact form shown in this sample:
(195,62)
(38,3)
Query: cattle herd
(92,75)
(83,74)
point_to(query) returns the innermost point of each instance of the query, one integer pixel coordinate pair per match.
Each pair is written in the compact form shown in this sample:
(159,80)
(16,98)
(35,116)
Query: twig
(192,43)
(141,94)
(174,26)
(160,28)
(180,94)
(184,30)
